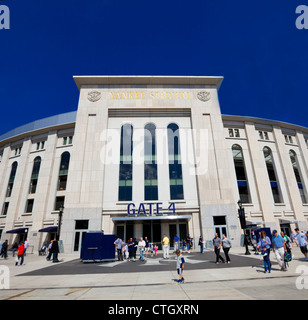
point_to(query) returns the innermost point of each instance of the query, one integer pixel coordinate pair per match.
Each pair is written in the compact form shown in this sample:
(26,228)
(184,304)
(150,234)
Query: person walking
(217,245)
(55,250)
(49,252)
(20,254)
(264,241)
(266,260)
(26,244)
(288,243)
(165,247)
(302,242)
(130,245)
(147,246)
(4,249)
(118,244)
(141,246)
(14,248)
(201,244)
(226,246)
(279,248)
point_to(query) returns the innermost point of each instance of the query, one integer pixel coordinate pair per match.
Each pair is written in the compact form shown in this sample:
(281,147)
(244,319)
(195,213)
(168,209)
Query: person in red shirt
(20,254)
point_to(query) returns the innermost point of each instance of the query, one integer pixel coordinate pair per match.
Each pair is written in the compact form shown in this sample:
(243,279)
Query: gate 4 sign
(149,208)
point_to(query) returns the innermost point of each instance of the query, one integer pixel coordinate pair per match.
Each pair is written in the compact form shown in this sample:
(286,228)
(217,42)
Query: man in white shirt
(26,244)
(141,246)
(302,242)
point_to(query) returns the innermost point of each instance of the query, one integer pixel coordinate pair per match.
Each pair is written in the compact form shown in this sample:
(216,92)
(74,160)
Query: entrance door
(172,233)
(286,229)
(81,228)
(220,226)
(182,231)
(157,234)
(120,231)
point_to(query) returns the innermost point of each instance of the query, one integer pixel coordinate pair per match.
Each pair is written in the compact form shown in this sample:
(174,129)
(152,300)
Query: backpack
(287,257)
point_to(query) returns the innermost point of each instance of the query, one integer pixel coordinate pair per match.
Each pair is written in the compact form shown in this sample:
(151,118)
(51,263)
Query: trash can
(97,247)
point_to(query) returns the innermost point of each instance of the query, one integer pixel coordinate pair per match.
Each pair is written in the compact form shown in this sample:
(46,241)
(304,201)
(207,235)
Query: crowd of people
(281,245)
(19,251)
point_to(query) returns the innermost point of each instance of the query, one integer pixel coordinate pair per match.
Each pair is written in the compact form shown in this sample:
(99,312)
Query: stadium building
(147,156)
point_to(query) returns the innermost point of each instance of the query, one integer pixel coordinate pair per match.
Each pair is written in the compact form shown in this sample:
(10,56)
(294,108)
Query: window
(29,205)
(306,141)
(240,171)
(126,163)
(234,133)
(35,174)
(288,139)
(11,179)
(263,135)
(63,172)
(40,145)
(17,151)
(67,140)
(175,166)
(272,174)
(5,208)
(298,176)
(59,203)
(1,155)
(150,165)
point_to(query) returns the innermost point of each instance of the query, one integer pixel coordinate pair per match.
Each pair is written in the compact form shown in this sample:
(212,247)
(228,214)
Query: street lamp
(60,220)
(241,213)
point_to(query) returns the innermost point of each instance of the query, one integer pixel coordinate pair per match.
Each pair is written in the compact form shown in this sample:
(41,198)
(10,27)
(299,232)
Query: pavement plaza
(154,279)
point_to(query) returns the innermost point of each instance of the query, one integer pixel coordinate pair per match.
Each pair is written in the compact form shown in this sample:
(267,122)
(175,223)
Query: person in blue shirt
(279,248)
(302,242)
(264,242)
(176,242)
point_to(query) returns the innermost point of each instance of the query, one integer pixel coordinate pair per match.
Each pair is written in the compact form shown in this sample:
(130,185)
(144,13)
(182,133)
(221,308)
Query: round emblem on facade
(204,96)
(94,96)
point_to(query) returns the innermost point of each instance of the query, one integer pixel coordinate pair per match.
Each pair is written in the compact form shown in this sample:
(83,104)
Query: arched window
(35,174)
(272,174)
(298,176)
(63,172)
(11,180)
(242,182)
(150,165)
(126,163)
(175,166)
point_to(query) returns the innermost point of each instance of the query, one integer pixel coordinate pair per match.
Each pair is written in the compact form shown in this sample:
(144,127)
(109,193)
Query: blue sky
(254,46)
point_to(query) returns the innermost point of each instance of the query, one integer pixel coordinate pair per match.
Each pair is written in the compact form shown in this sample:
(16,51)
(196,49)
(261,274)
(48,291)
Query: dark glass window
(63,172)
(175,166)
(240,172)
(59,203)
(35,174)
(126,163)
(5,208)
(11,180)
(29,206)
(150,165)
(81,224)
(298,176)
(272,174)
